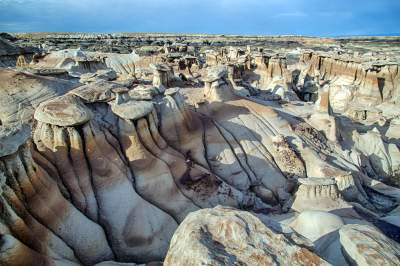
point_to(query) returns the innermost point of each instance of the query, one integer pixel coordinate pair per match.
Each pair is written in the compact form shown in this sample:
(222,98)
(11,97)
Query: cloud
(305,17)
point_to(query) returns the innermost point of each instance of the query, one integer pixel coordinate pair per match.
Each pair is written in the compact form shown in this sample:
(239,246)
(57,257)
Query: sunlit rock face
(193,154)
(224,236)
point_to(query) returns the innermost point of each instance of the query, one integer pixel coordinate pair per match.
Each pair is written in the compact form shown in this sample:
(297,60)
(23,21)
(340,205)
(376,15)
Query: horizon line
(394,35)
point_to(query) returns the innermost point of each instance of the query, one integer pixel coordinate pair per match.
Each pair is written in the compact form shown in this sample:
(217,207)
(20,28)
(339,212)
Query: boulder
(316,224)
(365,245)
(225,236)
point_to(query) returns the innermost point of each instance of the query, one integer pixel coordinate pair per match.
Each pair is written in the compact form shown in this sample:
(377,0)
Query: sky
(245,17)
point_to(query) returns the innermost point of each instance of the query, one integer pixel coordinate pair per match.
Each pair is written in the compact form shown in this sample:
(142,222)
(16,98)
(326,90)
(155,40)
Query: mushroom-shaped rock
(171,91)
(217,87)
(225,236)
(100,91)
(365,245)
(122,94)
(132,109)
(12,136)
(143,92)
(66,110)
(161,74)
(215,73)
(316,224)
(160,67)
(318,194)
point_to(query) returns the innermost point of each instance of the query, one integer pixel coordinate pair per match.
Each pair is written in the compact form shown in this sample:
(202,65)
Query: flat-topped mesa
(162,75)
(320,194)
(377,82)
(217,86)
(12,136)
(67,110)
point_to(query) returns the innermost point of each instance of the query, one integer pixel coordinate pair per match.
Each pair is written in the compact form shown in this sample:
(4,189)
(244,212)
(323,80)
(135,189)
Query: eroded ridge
(144,157)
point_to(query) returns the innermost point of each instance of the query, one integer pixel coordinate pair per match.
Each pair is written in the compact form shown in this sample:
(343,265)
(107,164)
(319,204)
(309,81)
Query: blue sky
(264,17)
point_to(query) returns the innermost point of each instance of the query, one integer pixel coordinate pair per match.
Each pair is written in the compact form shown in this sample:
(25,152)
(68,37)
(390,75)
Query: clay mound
(78,62)
(6,48)
(117,172)
(12,136)
(21,93)
(10,53)
(89,153)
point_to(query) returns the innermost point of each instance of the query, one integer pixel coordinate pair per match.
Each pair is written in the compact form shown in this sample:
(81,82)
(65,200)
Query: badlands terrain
(157,149)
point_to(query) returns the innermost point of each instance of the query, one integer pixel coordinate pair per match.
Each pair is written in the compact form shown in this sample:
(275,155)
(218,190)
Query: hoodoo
(150,149)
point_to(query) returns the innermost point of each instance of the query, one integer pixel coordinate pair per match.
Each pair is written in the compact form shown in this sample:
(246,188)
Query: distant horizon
(208,34)
(312,18)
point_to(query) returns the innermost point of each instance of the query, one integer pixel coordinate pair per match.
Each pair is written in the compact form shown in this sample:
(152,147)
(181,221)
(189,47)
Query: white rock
(367,246)
(225,236)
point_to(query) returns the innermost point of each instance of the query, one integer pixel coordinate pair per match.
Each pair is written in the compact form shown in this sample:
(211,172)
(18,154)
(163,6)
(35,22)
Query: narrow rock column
(217,85)
(161,75)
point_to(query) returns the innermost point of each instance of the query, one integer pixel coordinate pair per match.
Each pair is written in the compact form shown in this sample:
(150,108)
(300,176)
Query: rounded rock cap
(12,137)
(215,73)
(315,181)
(63,111)
(171,91)
(99,91)
(143,93)
(132,109)
(160,67)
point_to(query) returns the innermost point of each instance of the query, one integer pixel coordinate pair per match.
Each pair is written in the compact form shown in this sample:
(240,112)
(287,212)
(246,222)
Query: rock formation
(224,236)
(184,152)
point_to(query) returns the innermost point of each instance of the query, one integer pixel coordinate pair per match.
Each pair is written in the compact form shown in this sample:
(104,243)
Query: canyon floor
(163,149)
